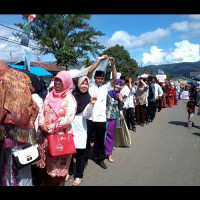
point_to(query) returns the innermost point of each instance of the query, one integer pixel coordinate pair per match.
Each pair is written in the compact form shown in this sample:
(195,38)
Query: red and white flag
(31,17)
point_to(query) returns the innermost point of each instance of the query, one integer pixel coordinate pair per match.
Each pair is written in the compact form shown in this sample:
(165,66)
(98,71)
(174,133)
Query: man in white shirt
(125,93)
(157,94)
(128,94)
(97,122)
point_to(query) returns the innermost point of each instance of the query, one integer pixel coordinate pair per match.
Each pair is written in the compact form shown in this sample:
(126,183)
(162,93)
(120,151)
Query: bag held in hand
(61,144)
(26,156)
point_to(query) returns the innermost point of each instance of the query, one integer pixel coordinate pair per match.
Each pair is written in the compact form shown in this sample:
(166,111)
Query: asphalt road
(163,153)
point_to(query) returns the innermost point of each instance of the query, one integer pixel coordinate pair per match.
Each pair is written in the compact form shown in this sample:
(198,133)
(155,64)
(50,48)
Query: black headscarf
(82,99)
(37,85)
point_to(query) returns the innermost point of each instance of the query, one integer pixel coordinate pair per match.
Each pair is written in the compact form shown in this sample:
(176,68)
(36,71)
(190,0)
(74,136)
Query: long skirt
(170,102)
(109,136)
(47,180)
(176,99)
(122,136)
(164,101)
(9,175)
(140,113)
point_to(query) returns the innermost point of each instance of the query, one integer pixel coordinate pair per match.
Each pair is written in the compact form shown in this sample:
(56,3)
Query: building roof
(39,71)
(194,73)
(48,66)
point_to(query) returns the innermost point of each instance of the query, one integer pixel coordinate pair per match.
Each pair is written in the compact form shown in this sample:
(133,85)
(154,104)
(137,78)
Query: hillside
(177,69)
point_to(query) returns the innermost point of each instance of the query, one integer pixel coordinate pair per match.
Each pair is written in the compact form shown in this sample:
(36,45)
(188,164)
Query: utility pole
(11,56)
(38,55)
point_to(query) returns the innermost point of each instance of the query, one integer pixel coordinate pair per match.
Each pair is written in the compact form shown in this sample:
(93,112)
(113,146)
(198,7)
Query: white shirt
(99,110)
(129,99)
(158,90)
(38,100)
(125,93)
(79,127)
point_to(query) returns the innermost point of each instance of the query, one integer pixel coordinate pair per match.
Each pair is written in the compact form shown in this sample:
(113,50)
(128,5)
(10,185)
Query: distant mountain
(176,69)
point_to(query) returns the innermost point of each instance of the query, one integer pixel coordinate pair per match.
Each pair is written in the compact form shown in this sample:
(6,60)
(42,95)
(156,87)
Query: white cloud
(121,38)
(9,51)
(194,17)
(155,56)
(184,52)
(131,41)
(180,26)
(189,29)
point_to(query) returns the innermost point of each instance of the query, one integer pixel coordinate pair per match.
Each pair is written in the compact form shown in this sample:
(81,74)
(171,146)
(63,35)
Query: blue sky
(149,38)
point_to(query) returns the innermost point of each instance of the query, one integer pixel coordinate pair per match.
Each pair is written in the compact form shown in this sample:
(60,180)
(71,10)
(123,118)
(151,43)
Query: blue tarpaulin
(39,71)
(191,81)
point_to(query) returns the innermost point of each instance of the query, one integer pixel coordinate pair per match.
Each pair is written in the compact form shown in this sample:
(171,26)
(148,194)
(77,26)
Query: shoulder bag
(26,155)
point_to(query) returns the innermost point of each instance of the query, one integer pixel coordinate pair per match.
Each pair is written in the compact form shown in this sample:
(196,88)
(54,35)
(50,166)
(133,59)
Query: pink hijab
(55,98)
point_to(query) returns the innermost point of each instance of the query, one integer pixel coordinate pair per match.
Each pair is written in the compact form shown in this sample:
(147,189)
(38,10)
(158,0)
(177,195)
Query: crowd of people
(99,114)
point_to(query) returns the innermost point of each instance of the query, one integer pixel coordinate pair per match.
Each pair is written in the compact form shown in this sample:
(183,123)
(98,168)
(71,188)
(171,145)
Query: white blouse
(79,127)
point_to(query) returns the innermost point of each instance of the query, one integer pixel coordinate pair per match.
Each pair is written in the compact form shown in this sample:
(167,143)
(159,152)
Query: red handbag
(61,144)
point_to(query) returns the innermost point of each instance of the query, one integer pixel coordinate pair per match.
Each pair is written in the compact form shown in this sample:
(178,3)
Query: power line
(17,42)
(18,31)
(12,28)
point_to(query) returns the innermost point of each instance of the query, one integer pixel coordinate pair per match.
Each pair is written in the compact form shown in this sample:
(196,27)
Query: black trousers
(99,129)
(151,110)
(159,104)
(78,167)
(130,117)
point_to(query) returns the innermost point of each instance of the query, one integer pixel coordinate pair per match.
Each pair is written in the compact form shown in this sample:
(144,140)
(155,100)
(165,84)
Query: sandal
(77,182)
(68,178)
(110,159)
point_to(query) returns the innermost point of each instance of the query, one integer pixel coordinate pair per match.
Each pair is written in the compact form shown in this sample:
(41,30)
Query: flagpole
(25,41)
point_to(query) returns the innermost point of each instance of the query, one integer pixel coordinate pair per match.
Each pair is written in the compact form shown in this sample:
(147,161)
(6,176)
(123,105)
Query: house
(52,68)
(193,74)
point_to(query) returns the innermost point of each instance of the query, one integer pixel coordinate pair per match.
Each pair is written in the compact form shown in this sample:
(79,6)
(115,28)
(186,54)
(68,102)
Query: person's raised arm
(114,71)
(130,83)
(94,66)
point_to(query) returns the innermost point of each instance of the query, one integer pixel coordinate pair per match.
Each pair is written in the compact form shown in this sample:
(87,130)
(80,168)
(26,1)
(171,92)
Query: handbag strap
(30,139)
(56,130)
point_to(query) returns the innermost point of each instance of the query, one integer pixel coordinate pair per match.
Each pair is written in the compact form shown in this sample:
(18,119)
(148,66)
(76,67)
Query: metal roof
(39,71)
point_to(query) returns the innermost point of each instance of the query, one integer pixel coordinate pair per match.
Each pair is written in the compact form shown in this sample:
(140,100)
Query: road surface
(163,153)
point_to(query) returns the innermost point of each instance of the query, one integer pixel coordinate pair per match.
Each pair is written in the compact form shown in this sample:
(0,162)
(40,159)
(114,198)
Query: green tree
(145,70)
(124,63)
(54,32)
(167,74)
(87,62)
(66,56)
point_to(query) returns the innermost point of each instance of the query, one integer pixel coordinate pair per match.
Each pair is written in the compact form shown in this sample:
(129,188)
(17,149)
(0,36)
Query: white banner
(161,78)
(184,95)
(102,66)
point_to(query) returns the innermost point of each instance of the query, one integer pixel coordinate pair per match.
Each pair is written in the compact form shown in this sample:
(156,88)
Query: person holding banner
(98,120)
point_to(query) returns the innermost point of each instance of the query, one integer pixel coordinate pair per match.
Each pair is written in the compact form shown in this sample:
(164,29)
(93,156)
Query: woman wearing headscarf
(171,94)
(85,106)
(114,99)
(141,101)
(59,107)
(18,113)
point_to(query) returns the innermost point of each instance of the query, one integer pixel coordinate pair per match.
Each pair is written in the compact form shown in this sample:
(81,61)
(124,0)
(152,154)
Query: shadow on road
(179,123)
(198,134)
